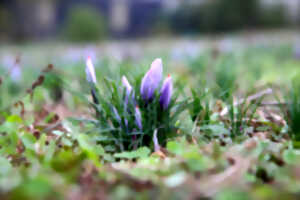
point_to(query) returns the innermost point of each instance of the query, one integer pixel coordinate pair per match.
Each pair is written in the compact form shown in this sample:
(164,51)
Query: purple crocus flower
(151,80)
(166,92)
(90,71)
(91,77)
(128,87)
(138,118)
(117,116)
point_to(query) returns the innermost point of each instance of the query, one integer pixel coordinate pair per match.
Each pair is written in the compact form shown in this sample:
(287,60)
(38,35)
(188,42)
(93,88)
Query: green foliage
(226,75)
(6,22)
(231,194)
(142,152)
(230,15)
(193,158)
(84,24)
(225,15)
(240,116)
(292,110)
(115,121)
(222,156)
(6,166)
(54,84)
(274,16)
(200,110)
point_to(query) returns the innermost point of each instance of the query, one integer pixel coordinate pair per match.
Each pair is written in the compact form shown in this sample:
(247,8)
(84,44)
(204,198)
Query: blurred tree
(84,23)
(274,16)
(234,14)
(5,23)
(224,15)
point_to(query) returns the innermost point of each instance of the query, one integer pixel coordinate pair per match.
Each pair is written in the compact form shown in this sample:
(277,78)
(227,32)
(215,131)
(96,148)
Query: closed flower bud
(138,118)
(16,73)
(127,85)
(166,92)
(117,116)
(151,80)
(90,71)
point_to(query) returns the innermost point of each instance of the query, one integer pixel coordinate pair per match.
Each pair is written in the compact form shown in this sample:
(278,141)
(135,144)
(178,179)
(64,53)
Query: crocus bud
(91,77)
(128,87)
(166,92)
(16,73)
(90,71)
(117,116)
(138,118)
(151,80)
(129,91)
(126,84)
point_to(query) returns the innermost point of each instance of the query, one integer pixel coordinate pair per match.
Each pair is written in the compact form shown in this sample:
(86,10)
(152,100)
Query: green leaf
(290,156)
(5,166)
(175,147)
(28,141)
(14,119)
(66,142)
(92,149)
(50,150)
(142,152)
(58,133)
(216,129)
(176,179)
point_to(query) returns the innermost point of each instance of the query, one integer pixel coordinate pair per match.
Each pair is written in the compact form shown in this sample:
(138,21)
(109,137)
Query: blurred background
(90,20)
(218,48)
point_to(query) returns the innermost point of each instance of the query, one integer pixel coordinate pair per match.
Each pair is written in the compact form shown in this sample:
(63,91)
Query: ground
(233,139)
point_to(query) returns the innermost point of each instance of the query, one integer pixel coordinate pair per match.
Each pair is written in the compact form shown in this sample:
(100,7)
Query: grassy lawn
(230,130)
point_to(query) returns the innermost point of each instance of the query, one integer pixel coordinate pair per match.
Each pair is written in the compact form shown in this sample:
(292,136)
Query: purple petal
(117,116)
(166,92)
(146,84)
(90,71)
(127,85)
(129,91)
(16,73)
(151,79)
(138,118)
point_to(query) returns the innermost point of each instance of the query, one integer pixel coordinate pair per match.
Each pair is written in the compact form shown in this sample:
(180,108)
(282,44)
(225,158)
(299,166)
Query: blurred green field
(234,139)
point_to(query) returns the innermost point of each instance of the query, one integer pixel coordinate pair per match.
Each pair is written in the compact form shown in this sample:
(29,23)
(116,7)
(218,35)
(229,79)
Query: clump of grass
(240,115)
(200,107)
(225,76)
(225,124)
(141,113)
(291,111)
